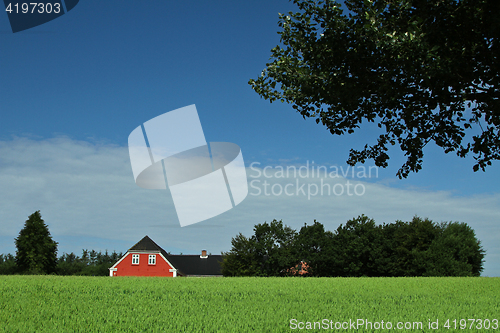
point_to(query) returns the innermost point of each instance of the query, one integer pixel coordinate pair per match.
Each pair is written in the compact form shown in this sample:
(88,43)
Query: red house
(146,258)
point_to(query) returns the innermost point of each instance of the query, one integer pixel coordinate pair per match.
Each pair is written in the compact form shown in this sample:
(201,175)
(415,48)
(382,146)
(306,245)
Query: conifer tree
(36,250)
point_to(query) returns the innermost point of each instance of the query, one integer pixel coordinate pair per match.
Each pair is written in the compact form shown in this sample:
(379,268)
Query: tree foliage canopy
(90,263)
(419,247)
(267,253)
(36,250)
(423,70)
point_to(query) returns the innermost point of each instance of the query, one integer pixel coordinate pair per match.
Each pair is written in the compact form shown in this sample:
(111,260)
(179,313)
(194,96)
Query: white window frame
(152,259)
(135,259)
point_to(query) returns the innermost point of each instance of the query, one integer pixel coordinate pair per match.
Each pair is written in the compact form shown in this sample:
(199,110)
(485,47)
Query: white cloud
(87,196)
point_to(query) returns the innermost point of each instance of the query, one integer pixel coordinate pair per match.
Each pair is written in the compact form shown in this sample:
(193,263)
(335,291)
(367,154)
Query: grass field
(121,304)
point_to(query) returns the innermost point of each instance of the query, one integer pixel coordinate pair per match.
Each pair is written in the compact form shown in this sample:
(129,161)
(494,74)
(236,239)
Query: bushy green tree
(358,248)
(314,246)
(267,253)
(274,242)
(36,250)
(409,243)
(455,252)
(424,71)
(242,259)
(7,264)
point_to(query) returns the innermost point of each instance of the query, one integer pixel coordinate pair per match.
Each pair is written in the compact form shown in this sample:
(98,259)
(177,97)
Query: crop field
(121,304)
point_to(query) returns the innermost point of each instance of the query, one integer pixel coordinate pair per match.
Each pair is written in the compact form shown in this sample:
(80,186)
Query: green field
(121,304)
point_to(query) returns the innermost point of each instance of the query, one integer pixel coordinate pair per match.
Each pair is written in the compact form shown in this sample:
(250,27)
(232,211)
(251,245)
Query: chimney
(203,254)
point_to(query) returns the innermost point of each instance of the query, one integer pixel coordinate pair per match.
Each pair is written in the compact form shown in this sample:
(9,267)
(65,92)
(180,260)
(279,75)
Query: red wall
(125,267)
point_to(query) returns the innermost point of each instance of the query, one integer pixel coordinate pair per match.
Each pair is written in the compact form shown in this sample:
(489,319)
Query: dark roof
(185,264)
(146,244)
(194,265)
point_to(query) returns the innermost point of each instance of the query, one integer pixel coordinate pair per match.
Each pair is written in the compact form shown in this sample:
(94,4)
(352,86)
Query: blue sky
(73,89)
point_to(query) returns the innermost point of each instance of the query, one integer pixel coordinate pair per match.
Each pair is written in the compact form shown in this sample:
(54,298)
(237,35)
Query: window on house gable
(135,259)
(152,259)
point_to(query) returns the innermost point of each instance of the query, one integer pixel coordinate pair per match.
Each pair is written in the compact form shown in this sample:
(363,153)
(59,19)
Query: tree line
(37,254)
(418,247)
